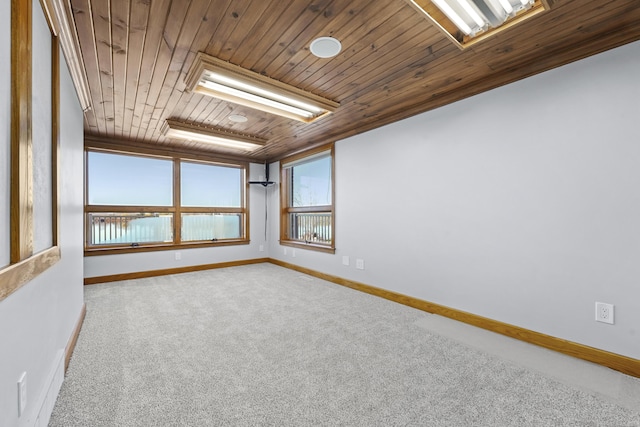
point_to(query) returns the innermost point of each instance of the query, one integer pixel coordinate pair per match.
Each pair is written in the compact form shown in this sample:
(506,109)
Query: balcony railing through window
(311,227)
(129,228)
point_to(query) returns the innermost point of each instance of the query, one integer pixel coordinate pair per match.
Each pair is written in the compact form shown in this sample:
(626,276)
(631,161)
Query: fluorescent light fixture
(468,21)
(223,80)
(471,11)
(444,6)
(190,132)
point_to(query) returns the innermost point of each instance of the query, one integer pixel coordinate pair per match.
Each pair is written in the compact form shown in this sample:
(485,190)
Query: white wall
(520,204)
(105,265)
(37,321)
(41,131)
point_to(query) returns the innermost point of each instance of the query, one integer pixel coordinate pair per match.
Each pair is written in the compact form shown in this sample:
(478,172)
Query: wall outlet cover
(604,313)
(345,260)
(360,264)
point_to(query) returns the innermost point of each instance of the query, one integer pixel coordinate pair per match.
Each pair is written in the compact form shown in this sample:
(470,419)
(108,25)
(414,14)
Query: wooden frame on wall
(24,264)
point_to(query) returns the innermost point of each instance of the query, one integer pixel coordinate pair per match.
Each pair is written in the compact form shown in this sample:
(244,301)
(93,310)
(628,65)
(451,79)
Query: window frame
(285,197)
(25,265)
(174,209)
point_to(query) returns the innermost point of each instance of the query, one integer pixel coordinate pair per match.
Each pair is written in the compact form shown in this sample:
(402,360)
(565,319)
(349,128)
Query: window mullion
(177,217)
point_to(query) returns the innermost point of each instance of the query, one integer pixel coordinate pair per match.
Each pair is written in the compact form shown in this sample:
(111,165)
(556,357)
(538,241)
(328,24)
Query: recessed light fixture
(223,80)
(238,118)
(469,21)
(325,47)
(190,132)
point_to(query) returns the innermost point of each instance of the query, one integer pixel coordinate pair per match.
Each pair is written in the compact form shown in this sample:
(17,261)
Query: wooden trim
(176,125)
(329,147)
(16,275)
(51,17)
(99,251)
(128,209)
(24,265)
(167,271)
(71,50)
(309,246)
(624,364)
(71,345)
(285,209)
(177,201)
(55,139)
(245,229)
(21,132)
(141,148)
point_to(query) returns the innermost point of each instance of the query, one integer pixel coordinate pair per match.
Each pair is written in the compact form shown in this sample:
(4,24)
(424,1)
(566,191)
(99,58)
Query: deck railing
(133,228)
(311,227)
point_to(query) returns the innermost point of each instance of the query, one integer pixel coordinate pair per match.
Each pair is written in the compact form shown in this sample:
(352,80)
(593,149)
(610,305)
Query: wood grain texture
(21,209)
(55,140)
(394,63)
(73,339)
(166,271)
(16,275)
(624,364)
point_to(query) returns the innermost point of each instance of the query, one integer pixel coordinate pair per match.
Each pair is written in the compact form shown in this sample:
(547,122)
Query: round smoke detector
(237,118)
(325,47)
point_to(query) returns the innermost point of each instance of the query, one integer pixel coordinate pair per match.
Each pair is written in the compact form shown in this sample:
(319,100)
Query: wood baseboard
(71,345)
(167,271)
(624,364)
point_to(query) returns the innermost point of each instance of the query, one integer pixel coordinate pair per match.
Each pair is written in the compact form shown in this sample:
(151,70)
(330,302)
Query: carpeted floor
(263,345)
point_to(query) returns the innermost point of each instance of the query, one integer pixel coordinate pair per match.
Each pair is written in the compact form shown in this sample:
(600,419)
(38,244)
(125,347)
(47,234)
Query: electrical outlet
(345,260)
(360,264)
(604,312)
(178,256)
(22,393)
(261,248)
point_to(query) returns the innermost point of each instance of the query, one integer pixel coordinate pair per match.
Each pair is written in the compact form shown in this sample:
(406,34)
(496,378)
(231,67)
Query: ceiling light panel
(223,80)
(189,132)
(469,21)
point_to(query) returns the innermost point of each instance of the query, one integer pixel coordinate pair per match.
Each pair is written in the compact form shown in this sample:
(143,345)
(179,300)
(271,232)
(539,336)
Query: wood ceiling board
(175,22)
(259,60)
(119,20)
(179,52)
(136,35)
(297,54)
(394,62)
(365,41)
(341,27)
(87,40)
(268,28)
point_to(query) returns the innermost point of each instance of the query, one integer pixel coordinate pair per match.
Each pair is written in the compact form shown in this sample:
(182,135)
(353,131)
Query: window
(307,200)
(153,202)
(211,200)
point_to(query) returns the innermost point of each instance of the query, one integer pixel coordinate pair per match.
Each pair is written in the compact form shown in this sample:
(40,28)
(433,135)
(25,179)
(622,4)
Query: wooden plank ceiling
(394,62)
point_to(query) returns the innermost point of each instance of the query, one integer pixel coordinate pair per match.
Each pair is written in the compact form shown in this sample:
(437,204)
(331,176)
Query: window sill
(309,246)
(161,247)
